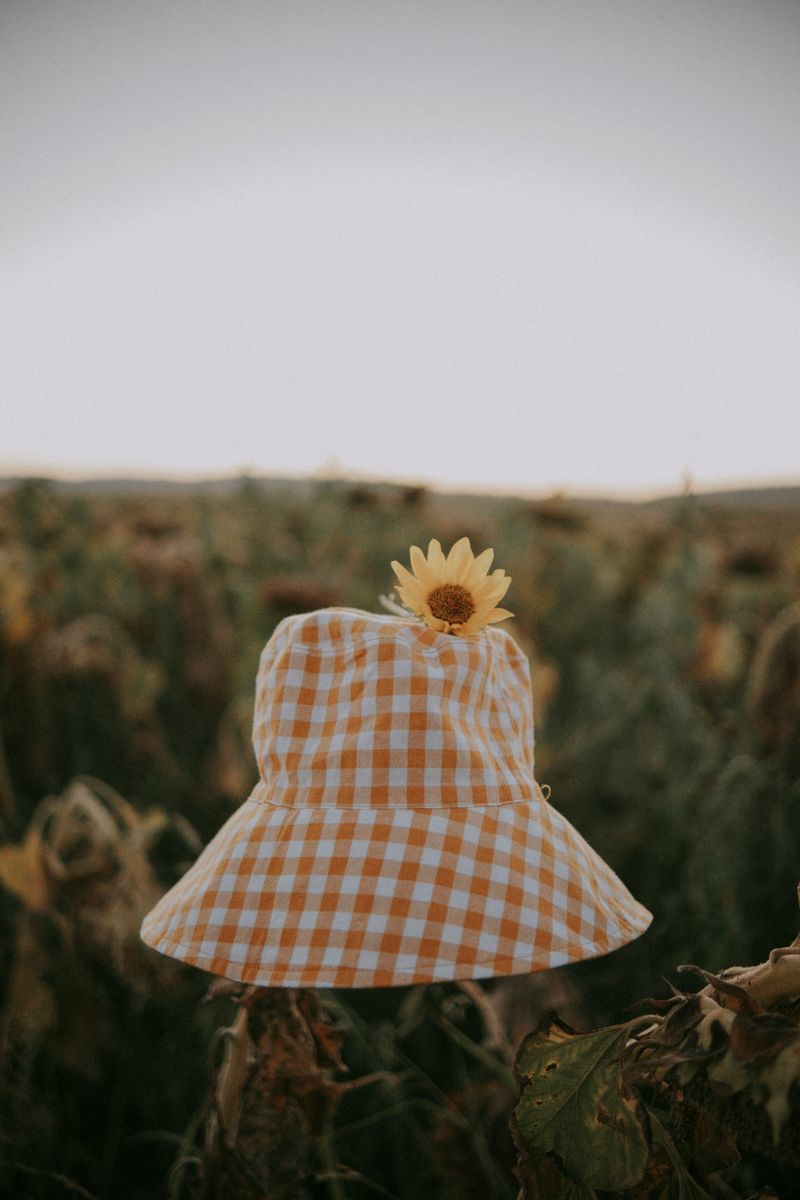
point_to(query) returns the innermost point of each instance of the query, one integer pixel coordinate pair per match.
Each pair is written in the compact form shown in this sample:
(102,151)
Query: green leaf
(576,1104)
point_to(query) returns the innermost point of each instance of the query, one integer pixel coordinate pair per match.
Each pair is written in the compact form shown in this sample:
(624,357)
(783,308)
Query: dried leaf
(737,996)
(683,1017)
(22,871)
(274,1096)
(758,1037)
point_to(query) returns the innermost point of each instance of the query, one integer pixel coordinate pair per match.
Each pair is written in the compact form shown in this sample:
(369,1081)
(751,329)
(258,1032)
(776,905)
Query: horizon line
(332,473)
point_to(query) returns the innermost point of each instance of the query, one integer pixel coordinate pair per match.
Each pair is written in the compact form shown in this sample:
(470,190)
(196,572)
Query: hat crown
(357,710)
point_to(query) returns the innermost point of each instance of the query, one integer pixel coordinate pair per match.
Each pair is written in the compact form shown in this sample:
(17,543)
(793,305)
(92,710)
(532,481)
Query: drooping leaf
(575,1103)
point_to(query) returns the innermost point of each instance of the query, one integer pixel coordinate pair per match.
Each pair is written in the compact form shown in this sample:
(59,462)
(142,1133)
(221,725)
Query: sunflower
(454,594)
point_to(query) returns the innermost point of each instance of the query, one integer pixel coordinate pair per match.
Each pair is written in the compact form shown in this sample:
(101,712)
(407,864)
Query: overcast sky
(531,244)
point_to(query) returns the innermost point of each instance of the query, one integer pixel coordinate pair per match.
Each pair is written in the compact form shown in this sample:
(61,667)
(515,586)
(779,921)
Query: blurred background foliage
(665,644)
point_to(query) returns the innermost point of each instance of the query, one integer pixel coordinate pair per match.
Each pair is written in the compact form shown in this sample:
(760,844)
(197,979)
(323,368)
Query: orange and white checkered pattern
(396,834)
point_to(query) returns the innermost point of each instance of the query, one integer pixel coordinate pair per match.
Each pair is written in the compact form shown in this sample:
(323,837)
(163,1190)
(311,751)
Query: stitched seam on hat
(338,807)
(261,786)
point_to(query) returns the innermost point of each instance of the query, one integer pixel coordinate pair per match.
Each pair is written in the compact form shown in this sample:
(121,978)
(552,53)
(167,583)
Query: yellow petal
(467,628)
(419,564)
(436,561)
(491,590)
(499,614)
(404,575)
(480,619)
(459,560)
(503,585)
(496,577)
(412,598)
(486,598)
(488,587)
(477,570)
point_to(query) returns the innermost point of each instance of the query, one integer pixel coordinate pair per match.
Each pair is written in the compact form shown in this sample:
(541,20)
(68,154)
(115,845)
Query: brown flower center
(451,602)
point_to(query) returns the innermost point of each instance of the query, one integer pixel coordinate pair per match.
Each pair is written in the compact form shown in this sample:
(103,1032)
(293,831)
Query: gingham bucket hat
(397,834)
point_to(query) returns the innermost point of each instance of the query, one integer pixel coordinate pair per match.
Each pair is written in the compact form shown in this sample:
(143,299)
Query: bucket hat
(397,833)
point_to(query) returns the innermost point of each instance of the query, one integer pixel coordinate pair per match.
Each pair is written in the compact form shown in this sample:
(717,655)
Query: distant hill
(743,498)
(123,486)
(755,499)
(746,499)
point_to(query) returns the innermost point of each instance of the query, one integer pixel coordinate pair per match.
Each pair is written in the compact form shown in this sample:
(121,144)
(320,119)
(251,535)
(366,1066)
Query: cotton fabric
(397,834)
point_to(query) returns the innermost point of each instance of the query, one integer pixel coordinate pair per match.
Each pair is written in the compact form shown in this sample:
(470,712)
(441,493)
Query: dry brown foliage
(273,1095)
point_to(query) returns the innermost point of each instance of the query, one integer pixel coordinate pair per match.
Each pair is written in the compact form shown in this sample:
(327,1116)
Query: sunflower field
(664,640)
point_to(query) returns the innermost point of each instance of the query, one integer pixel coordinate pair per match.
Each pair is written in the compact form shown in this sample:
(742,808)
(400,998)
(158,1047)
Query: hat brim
(374,897)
